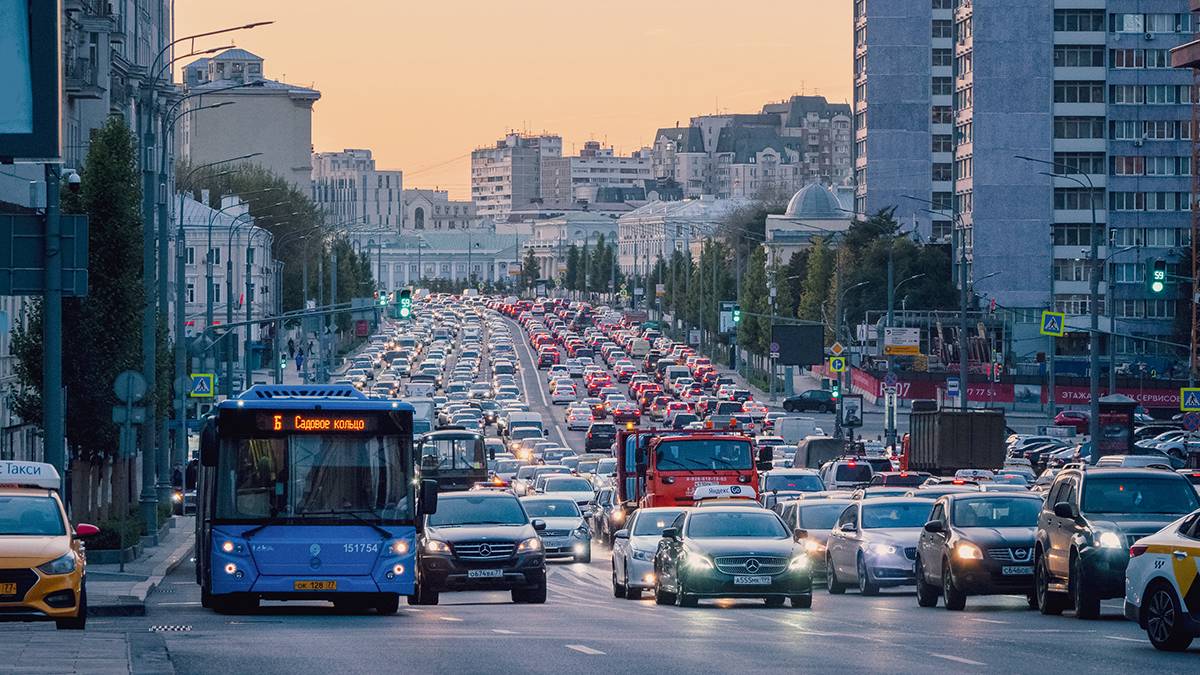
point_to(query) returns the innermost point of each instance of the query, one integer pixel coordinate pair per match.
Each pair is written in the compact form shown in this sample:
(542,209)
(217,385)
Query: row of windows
(1152,166)
(1149,201)
(1150,94)
(1148,309)
(1078,91)
(1093,20)
(1165,237)
(1145,130)
(1141,58)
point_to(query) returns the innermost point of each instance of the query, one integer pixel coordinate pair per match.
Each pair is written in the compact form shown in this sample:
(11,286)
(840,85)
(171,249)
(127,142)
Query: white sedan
(563,395)
(579,419)
(633,551)
(1160,580)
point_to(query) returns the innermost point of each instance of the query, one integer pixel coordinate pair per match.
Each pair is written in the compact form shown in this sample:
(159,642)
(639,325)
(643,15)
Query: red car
(1078,419)
(626,412)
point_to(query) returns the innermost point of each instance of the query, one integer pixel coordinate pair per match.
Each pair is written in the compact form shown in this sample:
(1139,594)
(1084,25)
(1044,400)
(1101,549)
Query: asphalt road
(582,628)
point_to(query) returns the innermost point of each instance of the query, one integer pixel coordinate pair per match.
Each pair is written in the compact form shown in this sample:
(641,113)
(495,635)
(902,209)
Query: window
(943,86)
(1129,166)
(1072,270)
(1129,273)
(1080,162)
(1125,94)
(1077,199)
(1079,20)
(250,256)
(1079,56)
(1075,304)
(1128,58)
(191,255)
(942,114)
(942,28)
(216,293)
(1078,91)
(191,291)
(943,58)
(942,172)
(943,143)
(1072,234)
(215,255)
(1079,127)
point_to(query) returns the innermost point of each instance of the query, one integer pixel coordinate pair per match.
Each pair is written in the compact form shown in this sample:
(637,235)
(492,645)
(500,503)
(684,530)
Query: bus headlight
(399,547)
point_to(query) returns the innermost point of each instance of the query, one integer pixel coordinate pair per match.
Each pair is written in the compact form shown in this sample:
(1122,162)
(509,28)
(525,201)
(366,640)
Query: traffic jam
(565,434)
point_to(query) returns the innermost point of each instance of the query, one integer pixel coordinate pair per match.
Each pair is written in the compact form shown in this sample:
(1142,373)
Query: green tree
(753,301)
(818,282)
(597,268)
(572,276)
(530,269)
(794,275)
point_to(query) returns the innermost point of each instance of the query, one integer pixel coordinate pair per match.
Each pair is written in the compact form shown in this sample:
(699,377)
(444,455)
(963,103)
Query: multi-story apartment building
(566,179)
(352,192)
(215,134)
(950,95)
(508,175)
(434,210)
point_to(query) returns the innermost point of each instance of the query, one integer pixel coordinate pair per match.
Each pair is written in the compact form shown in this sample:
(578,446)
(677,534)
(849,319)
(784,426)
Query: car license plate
(1017,570)
(484,574)
(8,589)
(752,581)
(314,585)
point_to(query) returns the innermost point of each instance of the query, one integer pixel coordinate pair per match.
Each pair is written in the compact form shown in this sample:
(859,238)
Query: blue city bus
(308,492)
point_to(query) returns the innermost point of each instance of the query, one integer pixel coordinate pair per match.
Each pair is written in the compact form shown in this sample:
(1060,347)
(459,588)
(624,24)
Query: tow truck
(664,467)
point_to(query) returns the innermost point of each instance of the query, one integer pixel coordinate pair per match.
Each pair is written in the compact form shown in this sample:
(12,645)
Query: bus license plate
(752,581)
(484,574)
(1015,571)
(314,585)
(8,589)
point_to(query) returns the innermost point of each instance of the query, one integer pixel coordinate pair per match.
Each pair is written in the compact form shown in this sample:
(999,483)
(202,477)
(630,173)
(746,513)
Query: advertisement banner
(901,341)
(1150,398)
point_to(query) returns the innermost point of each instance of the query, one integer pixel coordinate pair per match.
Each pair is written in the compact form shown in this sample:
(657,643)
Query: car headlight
(699,562)
(643,555)
(814,546)
(1109,540)
(968,551)
(61,565)
(798,563)
(618,515)
(436,546)
(582,532)
(530,545)
(882,549)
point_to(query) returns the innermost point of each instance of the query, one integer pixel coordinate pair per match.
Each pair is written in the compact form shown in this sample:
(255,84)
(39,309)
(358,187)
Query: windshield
(606,467)
(508,465)
(587,465)
(649,524)
(568,485)
(525,433)
(478,511)
(997,512)
(551,508)
(895,515)
(705,455)
(820,516)
(1137,494)
(801,483)
(857,473)
(342,477)
(730,524)
(455,453)
(31,516)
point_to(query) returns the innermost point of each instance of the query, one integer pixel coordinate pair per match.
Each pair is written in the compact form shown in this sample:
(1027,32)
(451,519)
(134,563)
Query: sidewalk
(112,592)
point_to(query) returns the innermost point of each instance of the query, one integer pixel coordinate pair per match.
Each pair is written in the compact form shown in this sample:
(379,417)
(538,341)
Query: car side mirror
(670,533)
(428,497)
(1066,510)
(621,534)
(545,432)
(934,527)
(799,534)
(849,527)
(86,530)
(539,524)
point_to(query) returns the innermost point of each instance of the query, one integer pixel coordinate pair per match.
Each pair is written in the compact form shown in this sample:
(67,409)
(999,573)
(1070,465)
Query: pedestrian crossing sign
(837,364)
(1054,323)
(1189,399)
(202,385)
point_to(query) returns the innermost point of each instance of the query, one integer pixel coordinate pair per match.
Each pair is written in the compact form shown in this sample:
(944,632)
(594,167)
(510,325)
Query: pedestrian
(300,361)
(291,348)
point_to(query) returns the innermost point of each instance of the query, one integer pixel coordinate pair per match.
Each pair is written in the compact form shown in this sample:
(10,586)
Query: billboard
(30,75)
(902,341)
(799,345)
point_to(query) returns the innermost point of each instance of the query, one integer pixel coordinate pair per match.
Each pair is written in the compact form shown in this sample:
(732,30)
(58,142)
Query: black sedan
(732,552)
(977,543)
(480,541)
(815,400)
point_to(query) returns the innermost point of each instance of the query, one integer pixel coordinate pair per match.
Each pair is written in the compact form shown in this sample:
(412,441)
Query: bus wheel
(388,603)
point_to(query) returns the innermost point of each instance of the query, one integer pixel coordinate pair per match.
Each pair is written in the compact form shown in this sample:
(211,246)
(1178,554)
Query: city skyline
(633,80)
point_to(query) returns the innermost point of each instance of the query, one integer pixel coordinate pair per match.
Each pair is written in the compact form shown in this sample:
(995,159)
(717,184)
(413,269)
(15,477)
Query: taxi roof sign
(29,474)
(723,492)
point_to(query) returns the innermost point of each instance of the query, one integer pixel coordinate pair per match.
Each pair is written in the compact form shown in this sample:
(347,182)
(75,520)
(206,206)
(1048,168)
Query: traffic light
(835,391)
(283,361)
(1156,275)
(405,304)
(737,315)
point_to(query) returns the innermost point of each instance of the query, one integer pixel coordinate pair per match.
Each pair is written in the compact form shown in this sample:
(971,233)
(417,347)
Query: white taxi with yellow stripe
(1162,584)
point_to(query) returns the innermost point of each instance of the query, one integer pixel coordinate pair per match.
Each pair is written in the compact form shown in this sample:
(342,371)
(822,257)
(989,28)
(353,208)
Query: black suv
(601,436)
(480,541)
(1090,517)
(818,400)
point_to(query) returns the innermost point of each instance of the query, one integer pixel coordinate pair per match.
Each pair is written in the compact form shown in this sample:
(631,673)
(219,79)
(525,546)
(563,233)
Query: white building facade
(434,210)
(508,175)
(661,228)
(572,178)
(351,190)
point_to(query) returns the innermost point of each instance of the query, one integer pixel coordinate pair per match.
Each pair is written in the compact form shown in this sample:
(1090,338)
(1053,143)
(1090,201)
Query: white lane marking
(502,631)
(988,621)
(1123,639)
(958,659)
(449,618)
(584,649)
(412,609)
(886,609)
(561,436)
(176,604)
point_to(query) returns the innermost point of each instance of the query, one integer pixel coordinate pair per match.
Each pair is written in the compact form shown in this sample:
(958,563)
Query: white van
(639,347)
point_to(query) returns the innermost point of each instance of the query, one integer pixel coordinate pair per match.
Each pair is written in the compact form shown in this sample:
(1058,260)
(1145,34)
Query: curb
(134,603)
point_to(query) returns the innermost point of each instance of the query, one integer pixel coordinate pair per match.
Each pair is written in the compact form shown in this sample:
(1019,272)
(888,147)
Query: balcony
(81,79)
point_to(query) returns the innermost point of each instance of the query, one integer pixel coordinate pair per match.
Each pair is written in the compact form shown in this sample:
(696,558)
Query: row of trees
(591,271)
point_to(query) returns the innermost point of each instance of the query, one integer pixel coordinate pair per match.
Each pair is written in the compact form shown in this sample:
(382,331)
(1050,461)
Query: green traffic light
(404,312)
(1157,287)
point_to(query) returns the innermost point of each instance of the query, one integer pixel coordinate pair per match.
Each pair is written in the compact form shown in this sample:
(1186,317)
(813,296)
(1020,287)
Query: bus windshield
(463,453)
(313,477)
(705,454)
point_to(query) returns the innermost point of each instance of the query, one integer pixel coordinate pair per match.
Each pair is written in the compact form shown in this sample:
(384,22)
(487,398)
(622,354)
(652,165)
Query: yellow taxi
(42,563)
(1162,584)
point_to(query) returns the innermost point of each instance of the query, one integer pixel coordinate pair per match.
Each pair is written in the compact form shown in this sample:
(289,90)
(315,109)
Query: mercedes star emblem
(752,565)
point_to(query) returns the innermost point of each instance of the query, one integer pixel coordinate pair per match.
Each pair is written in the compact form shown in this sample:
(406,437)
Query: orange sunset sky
(423,83)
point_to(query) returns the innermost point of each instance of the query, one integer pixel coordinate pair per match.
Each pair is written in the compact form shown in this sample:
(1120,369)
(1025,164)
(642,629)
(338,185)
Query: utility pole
(181,369)
(891,315)
(53,416)
(963,360)
(148,498)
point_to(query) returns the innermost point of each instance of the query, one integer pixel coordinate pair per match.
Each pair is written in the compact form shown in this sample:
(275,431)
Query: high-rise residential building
(508,175)
(352,192)
(566,179)
(950,94)
(215,134)
(434,210)
(773,153)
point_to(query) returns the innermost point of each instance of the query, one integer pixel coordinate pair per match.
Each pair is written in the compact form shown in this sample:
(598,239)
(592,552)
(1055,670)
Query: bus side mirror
(209,443)
(428,497)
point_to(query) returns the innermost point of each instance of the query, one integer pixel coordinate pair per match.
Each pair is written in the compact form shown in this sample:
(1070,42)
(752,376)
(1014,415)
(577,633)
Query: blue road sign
(952,386)
(1189,399)
(202,385)
(1054,323)
(837,364)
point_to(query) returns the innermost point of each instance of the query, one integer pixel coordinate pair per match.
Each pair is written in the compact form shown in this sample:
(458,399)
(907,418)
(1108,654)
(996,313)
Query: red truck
(662,467)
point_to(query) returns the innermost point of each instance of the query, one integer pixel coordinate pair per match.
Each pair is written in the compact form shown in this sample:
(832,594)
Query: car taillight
(1136,550)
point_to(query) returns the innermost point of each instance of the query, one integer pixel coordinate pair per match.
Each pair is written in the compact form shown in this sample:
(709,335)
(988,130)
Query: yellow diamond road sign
(837,349)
